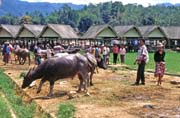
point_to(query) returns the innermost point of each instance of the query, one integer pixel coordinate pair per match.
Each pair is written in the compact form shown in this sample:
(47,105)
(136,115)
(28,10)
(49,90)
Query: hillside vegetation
(113,13)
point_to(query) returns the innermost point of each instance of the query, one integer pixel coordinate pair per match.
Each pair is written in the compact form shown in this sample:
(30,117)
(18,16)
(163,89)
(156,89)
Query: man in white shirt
(49,51)
(105,53)
(142,59)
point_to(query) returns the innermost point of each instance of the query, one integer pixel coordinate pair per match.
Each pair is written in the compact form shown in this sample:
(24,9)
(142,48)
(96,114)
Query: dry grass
(111,96)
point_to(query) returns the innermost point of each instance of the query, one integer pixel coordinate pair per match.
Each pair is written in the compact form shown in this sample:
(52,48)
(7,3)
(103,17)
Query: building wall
(26,33)
(156,33)
(132,33)
(106,33)
(49,33)
(4,33)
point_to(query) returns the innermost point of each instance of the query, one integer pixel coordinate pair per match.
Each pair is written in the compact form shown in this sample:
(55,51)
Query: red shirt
(115,50)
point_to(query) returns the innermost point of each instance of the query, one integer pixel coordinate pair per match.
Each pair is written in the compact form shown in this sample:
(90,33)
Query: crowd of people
(105,51)
(40,51)
(118,51)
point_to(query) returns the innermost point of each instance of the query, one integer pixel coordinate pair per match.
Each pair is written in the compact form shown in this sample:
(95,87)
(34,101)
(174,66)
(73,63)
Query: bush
(66,110)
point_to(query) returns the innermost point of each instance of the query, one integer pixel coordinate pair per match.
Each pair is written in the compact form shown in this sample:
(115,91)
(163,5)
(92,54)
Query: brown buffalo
(21,55)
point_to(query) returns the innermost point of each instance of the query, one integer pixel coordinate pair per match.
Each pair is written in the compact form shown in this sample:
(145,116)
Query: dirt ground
(112,95)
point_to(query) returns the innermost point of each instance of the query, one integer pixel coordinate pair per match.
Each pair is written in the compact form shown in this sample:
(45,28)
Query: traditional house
(128,35)
(29,31)
(152,35)
(99,34)
(29,34)
(8,32)
(63,34)
(173,34)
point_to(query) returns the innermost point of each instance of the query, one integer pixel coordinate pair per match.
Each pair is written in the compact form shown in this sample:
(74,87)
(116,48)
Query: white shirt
(48,53)
(105,51)
(143,51)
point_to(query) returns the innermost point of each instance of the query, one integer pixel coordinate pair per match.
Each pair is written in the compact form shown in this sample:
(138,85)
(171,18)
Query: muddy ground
(112,95)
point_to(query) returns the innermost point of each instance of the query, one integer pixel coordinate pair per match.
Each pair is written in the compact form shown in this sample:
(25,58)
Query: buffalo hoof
(87,94)
(50,95)
(38,91)
(91,84)
(78,91)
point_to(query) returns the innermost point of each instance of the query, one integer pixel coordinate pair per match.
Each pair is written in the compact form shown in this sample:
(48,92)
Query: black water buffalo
(22,54)
(93,64)
(59,68)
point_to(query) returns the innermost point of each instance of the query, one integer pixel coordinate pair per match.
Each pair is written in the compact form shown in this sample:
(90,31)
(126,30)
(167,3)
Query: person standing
(122,52)
(37,53)
(6,53)
(115,53)
(160,63)
(49,51)
(11,50)
(141,60)
(105,53)
(108,55)
(97,52)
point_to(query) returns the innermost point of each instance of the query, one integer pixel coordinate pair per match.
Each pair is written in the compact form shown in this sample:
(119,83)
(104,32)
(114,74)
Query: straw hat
(159,45)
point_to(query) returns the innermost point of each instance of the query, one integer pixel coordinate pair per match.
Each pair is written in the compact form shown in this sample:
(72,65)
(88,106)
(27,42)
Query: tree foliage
(113,13)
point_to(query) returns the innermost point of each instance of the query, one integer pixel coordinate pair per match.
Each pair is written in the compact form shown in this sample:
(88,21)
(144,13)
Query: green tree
(8,19)
(85,23)
(37,17)
(68,16)
(26,20)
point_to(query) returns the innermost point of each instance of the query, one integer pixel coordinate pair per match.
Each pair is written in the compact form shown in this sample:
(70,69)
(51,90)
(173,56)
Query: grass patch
(172,61)
(4,109)
(66,110)
(21,109)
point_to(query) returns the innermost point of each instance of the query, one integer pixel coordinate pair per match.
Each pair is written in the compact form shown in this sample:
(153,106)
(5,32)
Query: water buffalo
(93,64)
(59,68)
(61,54)
(22,54)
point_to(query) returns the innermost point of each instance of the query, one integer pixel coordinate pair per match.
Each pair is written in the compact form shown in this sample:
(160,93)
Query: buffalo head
(27,79)
(101,63)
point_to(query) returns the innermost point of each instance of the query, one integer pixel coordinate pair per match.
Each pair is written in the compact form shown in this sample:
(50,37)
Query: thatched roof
(64,31)
(11,29)
(94,30)
(121,30)
(34,29)
(146,30)
(172,32)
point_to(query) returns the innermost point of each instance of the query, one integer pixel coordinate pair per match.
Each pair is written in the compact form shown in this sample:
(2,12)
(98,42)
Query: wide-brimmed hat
(159,45)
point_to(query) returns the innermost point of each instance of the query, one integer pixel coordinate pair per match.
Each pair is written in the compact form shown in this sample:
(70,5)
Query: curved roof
(172,32)
(64,31)
(34,29)
(121,30)
(94,30)
(11,29)
(146,30)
